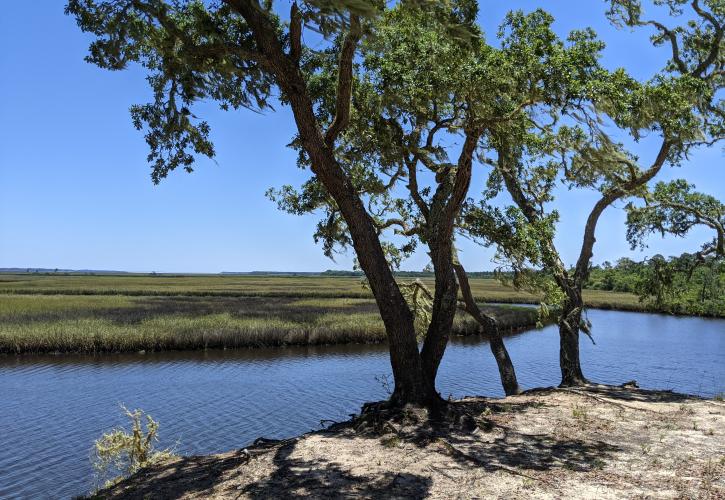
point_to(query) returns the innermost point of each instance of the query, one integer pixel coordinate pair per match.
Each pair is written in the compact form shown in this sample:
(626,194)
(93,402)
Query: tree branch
(295,33)
(405,229)
(488,323)
(412,165)
(609,197)
(344,81)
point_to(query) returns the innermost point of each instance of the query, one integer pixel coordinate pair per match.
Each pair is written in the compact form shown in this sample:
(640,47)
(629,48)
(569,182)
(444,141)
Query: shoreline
(260,285)
(599,441)
(62,324)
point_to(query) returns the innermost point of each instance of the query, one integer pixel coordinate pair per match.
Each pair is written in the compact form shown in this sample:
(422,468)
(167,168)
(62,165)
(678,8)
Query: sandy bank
(601,442)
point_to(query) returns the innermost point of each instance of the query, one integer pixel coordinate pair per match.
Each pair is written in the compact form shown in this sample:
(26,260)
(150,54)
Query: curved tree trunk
(571,315)
(396,315)
(489,327)
(445,207)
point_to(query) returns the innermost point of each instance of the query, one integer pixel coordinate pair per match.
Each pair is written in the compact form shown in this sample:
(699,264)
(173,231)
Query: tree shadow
(480,441)
(532,452)
(291,478)
(316,478)
(460,433)
(627,393)
(174,478)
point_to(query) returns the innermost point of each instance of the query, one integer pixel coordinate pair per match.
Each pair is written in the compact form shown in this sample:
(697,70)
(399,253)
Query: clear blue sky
(75,190)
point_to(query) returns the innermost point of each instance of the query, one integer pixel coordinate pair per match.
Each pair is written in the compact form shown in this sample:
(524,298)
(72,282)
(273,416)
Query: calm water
(53,407)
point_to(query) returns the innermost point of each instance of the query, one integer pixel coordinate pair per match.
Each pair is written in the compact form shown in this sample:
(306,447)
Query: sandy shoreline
(601,442)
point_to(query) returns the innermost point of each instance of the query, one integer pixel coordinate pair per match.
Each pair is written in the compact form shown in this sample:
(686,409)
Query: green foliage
(192,51)
(409,84)
(123,452)
(420,301)
(675,208)
(681,105)
(687,284)
(685,100)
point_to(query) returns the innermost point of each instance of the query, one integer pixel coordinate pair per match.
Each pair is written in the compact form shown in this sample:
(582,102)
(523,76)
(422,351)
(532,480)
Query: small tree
(680,105)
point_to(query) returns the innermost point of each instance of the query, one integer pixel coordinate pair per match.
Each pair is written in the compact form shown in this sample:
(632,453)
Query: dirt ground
(600,442)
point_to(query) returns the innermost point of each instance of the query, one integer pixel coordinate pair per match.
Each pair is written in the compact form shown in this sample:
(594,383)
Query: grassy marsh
(117,323)
(124,313)
(485,290)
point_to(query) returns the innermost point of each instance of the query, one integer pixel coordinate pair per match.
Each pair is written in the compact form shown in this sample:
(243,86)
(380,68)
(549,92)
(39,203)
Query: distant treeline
(687,284)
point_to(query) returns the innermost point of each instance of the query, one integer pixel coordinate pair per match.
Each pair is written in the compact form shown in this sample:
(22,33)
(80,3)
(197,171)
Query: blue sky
(75,190)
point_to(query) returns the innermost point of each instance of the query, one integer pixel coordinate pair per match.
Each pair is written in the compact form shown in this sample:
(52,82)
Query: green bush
(119,453)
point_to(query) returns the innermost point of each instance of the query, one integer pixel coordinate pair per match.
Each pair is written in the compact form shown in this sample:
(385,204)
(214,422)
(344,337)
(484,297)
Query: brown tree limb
(609,197)
(295,33)
(344,81)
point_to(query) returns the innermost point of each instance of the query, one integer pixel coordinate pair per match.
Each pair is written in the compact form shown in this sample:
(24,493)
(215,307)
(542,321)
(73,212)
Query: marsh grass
(125,313)
(39,323)
(322,287)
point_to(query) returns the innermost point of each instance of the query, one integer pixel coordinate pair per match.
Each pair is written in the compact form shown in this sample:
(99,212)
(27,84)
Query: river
(53,407)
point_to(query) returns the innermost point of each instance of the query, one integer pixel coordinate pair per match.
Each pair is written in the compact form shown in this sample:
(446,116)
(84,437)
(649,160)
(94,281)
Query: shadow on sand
(471,437)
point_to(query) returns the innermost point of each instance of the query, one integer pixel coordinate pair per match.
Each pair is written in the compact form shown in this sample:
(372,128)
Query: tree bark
(395,313)
(489,328)
(445,207)
(442,316)
(569,324)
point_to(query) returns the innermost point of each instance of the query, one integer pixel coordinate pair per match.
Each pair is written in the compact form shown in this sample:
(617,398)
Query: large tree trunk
(442,316)
(445,207)
(489,327)
(571,371)
(395,313)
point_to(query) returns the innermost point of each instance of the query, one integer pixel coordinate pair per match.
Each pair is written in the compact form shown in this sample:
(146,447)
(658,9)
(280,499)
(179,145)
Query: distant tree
(675,208)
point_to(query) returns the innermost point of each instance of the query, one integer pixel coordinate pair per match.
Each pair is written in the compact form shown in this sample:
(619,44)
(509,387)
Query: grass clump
(119,453)
(580,413)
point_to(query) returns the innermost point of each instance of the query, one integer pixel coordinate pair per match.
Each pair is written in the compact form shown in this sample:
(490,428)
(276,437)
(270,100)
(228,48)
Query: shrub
(118,454)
